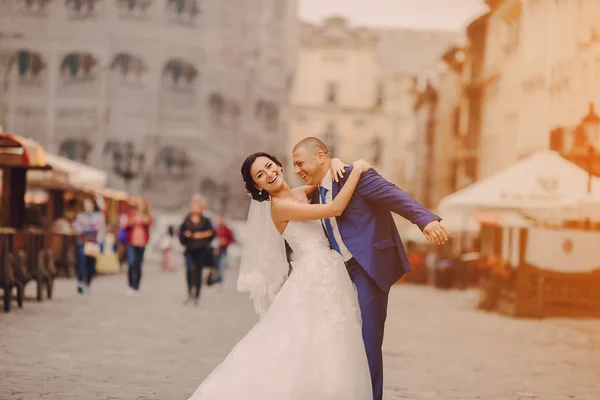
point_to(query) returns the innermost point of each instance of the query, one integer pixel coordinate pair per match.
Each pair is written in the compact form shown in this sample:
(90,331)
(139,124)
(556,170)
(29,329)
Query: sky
(425,14)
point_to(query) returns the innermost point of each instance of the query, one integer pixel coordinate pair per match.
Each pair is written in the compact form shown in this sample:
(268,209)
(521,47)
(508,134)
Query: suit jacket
(368,229)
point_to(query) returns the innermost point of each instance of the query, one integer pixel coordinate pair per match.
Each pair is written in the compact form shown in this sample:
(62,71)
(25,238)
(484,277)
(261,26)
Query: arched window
(78,66)
(330,138)
(137,9)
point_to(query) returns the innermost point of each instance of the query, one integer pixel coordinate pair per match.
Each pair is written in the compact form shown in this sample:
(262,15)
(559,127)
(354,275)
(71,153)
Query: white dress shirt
(328,184)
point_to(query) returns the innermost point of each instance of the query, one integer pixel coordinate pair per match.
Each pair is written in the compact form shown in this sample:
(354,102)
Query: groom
(366,237)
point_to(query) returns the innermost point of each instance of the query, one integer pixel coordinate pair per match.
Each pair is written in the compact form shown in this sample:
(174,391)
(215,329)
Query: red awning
(19,152)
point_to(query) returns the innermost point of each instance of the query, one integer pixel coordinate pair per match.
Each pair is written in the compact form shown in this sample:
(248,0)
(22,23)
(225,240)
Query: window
(332,92)
(79,67)
(30,65)
(456,121)
(471,168)
(37,8)
(81,9)
(512,27)
(453,178)
(135,9)
(129,68)
(330,139)
(377,150)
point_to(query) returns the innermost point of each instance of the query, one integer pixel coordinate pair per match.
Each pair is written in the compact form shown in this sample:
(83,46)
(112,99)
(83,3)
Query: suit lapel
(335,189)
(315,198)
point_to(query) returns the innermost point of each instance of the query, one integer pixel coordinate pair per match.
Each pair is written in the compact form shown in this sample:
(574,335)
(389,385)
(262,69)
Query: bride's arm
(288,210)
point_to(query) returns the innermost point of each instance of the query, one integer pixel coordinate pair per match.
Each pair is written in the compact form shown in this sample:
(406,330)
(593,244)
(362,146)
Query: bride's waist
(320,251)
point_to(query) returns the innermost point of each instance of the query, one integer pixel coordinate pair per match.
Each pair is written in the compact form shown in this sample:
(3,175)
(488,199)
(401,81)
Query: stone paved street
(108,346)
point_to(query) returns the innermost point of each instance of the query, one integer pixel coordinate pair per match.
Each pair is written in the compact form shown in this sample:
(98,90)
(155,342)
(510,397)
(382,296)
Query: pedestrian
(225,238)
(139,221)
(90,226)
(166,248)
(196,234)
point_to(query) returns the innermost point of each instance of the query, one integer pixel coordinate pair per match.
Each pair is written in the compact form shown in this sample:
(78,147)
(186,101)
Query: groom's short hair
(313,144)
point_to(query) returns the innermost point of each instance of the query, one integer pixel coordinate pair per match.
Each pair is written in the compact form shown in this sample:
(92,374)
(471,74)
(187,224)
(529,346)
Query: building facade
(166,96)
(419,173)
(355,90)
(541,69)
(439,120)
(470,104)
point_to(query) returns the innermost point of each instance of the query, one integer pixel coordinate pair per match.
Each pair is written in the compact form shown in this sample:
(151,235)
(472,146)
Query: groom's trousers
(373,307)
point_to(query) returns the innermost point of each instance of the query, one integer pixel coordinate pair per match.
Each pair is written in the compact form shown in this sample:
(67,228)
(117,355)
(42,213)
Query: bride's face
(267,175)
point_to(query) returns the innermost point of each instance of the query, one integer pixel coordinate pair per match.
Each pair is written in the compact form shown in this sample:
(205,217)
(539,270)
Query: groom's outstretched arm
(388,196)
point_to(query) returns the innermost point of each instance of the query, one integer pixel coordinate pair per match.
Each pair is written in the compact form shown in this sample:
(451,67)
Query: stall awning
(543,180)
(107,193)
(19,152)
(78,174)
(501,218)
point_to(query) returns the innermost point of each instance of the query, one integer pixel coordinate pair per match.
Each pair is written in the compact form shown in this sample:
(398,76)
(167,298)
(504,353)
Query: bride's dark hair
(247,176)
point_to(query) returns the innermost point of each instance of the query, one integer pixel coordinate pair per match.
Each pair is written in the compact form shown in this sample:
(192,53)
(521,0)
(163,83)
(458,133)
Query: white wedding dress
(308,346)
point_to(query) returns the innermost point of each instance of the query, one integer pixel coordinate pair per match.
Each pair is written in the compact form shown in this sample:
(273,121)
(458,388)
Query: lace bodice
(305,237)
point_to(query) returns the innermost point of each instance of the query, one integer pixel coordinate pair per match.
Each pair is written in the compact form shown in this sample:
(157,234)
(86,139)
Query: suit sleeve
(378,191)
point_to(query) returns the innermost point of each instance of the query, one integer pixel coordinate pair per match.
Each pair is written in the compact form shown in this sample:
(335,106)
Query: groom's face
(309,165)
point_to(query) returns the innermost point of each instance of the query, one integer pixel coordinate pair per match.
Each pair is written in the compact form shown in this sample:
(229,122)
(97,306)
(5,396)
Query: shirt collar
(327,181)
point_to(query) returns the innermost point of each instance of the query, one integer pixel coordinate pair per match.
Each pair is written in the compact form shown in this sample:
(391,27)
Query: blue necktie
(327,222)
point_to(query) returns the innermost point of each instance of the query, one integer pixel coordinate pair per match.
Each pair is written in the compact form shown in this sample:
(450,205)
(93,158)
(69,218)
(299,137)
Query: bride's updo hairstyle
(247,176)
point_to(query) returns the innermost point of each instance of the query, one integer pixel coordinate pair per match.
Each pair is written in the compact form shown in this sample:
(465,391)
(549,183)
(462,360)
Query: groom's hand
(436,232)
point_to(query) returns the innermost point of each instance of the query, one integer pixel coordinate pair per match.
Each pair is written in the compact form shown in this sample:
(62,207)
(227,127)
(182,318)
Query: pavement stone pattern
(108,346)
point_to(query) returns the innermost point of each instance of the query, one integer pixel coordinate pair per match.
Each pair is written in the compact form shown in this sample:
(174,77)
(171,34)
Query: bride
(308,343)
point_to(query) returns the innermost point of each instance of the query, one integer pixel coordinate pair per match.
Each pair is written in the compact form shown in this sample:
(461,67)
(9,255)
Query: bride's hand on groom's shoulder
(361,165)
(338,168)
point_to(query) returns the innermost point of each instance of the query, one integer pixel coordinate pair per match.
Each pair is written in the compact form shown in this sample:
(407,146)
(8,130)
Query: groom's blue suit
(369,232)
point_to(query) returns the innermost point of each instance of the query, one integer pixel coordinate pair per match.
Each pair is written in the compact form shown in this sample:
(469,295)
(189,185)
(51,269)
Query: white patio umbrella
(542,181)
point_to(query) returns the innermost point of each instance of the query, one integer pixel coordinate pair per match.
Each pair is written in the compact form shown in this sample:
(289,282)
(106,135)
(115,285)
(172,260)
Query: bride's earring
(260,192)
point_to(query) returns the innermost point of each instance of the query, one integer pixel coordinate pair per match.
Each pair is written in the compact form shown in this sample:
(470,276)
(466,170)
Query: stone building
(355,89)
(541,69)
(530,70)
(448,112)
(168,96)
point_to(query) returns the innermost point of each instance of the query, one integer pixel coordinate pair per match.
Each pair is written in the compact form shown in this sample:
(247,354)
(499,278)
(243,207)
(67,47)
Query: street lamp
(591,128)
(127,163)
(591,125)
(591,158)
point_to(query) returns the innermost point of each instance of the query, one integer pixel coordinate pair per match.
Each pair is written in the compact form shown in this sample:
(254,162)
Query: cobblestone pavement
(108,346)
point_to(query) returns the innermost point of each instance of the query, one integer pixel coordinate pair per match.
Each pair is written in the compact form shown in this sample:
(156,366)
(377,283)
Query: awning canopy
(66,175)
(78,174)
(501,218)
(543,180)
(588,207)
(107,193)
(19,152)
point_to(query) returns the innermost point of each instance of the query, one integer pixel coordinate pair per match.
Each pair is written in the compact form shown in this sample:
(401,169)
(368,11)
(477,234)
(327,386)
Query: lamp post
(591,126)
(127,163)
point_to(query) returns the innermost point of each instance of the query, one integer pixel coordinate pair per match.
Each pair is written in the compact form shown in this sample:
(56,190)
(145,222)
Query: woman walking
(226,238)
(138,225)
(196,234)
(90,226)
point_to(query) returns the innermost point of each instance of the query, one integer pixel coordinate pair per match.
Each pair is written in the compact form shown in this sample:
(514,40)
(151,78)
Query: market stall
(537,190)
(24,255)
